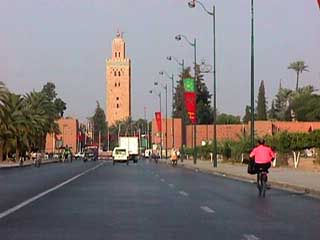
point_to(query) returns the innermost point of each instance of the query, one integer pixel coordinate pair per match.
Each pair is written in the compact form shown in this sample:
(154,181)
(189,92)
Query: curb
(274,184)
(26,165)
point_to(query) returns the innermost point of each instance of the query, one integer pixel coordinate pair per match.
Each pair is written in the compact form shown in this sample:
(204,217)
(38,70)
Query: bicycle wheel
(259,185)
(263,184)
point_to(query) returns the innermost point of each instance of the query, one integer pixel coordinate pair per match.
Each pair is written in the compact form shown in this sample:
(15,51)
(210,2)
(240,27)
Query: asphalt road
(96,200)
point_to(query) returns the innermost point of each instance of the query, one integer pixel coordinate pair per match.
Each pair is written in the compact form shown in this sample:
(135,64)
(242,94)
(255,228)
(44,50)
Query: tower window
(119,54)
(119,74)
(117,105)
(117,98)
(115,84)
(115,73)
(115,54)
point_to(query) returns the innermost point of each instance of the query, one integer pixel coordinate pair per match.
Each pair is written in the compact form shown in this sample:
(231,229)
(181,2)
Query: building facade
(118,83)
(68,136)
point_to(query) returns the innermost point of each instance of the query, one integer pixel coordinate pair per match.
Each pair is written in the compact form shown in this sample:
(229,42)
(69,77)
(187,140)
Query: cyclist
(263,156)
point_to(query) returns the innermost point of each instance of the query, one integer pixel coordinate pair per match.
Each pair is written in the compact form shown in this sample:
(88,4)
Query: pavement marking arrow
(30,200)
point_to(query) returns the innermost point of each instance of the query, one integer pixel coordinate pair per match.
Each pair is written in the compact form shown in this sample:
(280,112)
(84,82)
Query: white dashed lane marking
(184,193)
(250,237)
(162,180)
(40,195)
(207,209)
(171,185)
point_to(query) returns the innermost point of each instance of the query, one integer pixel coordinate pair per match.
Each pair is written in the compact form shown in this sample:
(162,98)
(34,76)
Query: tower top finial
(119,34)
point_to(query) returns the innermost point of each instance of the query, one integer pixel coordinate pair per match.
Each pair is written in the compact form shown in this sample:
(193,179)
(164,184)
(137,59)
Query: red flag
(190,103)
(158,119)
(319,3)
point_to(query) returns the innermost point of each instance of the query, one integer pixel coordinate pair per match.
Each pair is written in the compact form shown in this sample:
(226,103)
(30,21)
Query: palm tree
(15,123)
(3,118)
(298,67)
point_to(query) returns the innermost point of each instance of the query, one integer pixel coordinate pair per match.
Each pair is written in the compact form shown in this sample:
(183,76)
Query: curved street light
(192,4)
(169,58)
(194,45)
(172,92)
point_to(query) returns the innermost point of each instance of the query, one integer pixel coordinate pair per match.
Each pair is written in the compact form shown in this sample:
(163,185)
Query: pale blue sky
(67,42)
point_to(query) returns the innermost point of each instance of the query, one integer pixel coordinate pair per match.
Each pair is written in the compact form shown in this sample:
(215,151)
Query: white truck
(132,145)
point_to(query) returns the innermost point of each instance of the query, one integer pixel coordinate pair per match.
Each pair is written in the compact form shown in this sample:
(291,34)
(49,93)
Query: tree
(306,105)
(99,123)
(299,67)
(281,103)
(179,110)
(49,89)
(247,116)
(204,110)
(60,106)
(272,112)
(224,118)
(261,103)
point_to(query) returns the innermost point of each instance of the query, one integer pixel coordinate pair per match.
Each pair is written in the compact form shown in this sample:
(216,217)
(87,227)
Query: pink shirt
(262,154)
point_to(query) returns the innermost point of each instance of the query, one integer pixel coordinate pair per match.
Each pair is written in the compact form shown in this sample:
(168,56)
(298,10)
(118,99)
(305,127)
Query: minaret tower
(118,82)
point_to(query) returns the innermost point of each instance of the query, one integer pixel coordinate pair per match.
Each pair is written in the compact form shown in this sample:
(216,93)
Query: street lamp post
(161,138)
(166,132)
(194,45)
(177,61)
(172,92)
(192,4)
(252,75)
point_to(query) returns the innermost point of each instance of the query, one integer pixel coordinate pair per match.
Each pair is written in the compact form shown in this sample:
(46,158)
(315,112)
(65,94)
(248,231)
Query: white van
(120,154)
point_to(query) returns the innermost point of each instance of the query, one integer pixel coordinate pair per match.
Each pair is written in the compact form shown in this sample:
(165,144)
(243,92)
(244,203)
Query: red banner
(191,107)
(319,3)
(158,119)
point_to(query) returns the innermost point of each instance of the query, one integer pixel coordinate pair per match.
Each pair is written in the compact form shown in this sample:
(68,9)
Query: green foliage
(281,103)
(306,106)
(127,127)
(179,110)
(204,110)
(247,116)
(224,118)
(299,67)
(26,120)
(272,112)
(261,103)
(99,124)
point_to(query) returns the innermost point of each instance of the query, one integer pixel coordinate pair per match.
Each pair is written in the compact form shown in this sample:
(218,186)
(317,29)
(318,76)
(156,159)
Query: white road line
(207,209)
(250,237)
(30,200)
(171,185)
(157,175)
(184,193)
(162,180)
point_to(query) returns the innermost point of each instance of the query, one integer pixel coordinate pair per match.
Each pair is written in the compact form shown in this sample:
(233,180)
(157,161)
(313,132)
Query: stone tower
(118,82)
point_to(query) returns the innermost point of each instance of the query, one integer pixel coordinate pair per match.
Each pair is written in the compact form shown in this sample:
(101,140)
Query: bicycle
(262,179)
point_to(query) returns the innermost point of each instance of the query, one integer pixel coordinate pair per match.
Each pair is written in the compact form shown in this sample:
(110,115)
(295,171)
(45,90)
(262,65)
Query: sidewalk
(284,178)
